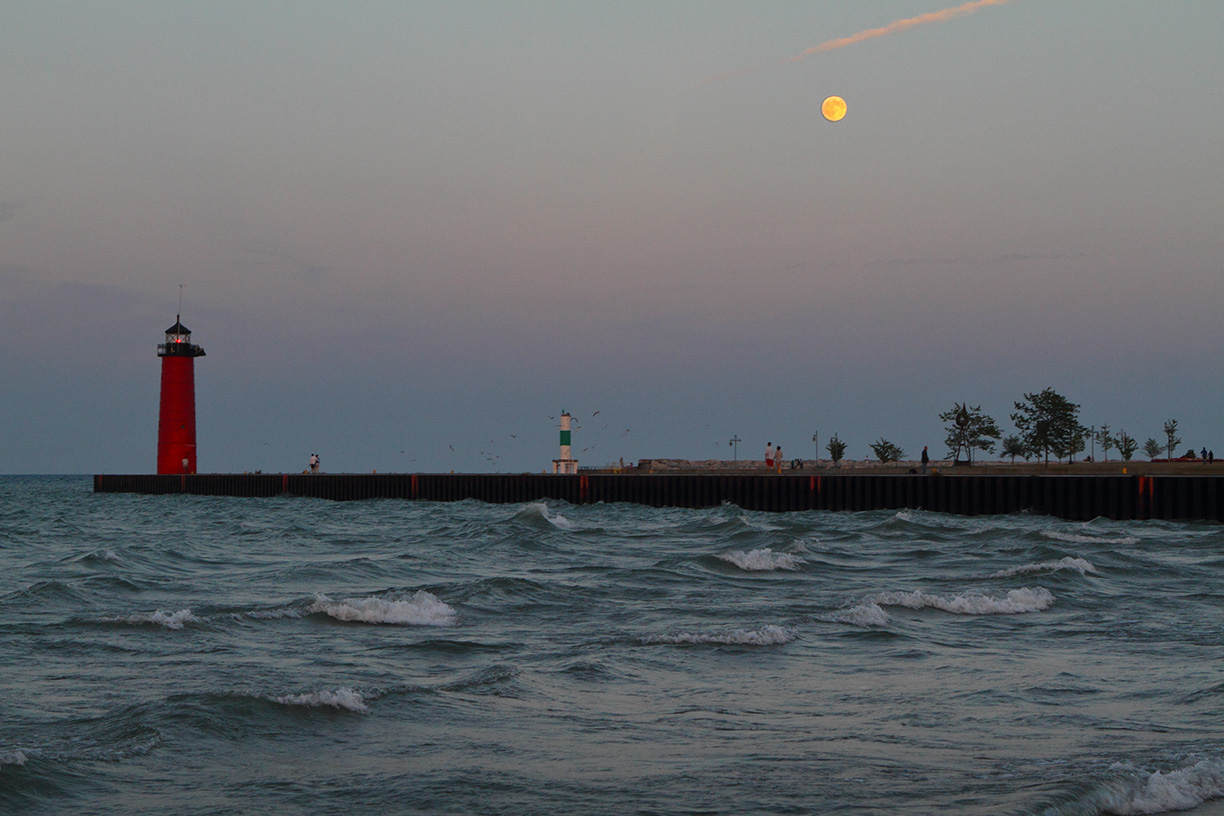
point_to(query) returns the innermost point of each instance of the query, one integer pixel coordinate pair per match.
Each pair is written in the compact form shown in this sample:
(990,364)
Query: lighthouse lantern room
(176,428)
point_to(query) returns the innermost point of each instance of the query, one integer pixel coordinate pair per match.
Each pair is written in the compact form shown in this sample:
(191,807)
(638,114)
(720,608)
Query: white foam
(273,614)
(1075,538)
(559,521)
(1080,565)
(12,758)
(763,560)
(423,609)
(345,698)
(758,523)
(770,635)
(555,519)
(160,617)
(1015,602)
(1160,792)
(866,615)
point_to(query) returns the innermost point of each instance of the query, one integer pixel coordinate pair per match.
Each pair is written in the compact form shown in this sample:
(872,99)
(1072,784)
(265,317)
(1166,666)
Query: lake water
(201,655)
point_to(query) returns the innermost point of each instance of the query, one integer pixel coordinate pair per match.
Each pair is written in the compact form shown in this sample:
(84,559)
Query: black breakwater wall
(1071,497)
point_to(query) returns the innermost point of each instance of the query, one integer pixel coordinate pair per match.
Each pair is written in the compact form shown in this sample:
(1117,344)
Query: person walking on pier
(926,459)
(778,459)
(314,463)
(769,456)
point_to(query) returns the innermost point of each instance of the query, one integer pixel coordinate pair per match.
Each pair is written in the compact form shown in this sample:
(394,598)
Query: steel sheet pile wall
(1072,497)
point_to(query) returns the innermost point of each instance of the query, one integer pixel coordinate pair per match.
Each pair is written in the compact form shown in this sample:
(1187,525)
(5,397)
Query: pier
(1075,497)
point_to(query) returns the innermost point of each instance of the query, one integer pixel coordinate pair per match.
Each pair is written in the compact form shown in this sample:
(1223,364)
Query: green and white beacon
(567,463)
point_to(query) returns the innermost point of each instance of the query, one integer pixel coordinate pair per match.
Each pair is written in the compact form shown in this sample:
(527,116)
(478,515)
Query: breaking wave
(771,635)
(1015,602)
(12,758)
(1161,792)
(762,560)
(1080,565)
(160,617)
(865,615)
(1076,538)
(342,698)
(539,510)
(423,609)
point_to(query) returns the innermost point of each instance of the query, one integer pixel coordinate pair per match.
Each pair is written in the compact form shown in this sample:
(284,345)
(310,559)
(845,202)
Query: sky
(408,235)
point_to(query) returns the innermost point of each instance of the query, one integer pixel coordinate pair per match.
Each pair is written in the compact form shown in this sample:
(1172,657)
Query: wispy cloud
(895,27)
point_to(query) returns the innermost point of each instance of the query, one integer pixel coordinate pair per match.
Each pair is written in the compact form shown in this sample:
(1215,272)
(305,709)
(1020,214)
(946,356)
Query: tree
(1126,445)
(1105,440)
(1013,447)
(886,451)
(836,449)
(969,429)
(1049,422)
(1076,444)
(1152,448)
(1170,429)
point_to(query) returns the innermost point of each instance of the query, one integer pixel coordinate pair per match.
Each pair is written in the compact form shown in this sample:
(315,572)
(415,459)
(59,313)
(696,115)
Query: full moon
(833,108)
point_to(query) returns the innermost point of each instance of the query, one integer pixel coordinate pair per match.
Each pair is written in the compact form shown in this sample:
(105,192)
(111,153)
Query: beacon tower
(567,463)
(176,426)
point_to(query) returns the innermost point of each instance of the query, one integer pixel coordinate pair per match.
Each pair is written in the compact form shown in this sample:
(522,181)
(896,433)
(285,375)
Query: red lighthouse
(176,430)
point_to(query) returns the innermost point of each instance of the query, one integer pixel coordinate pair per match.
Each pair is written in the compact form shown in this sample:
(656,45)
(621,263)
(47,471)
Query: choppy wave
(540,510)
(1164,791)
(273,614)
(865,615)
(770,635)
(159,617)
(13,757)
(543,695)
(344,698)
(1080,565)
(1015,602)
(762,560)
(1078,538)
(423,609)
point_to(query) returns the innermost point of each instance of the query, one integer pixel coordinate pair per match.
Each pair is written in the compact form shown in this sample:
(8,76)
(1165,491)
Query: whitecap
(1015,602)
(555,519)
(1080,565)
(273,614)
(423,609)
(762,560)
(345,698)
(1075,538)
(770,635)
(559,521)
(12,758)
(865,615)
(159,617)
(1160,792)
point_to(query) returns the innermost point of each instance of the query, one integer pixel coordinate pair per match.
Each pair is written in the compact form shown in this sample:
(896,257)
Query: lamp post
(734,443)
(816,445)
